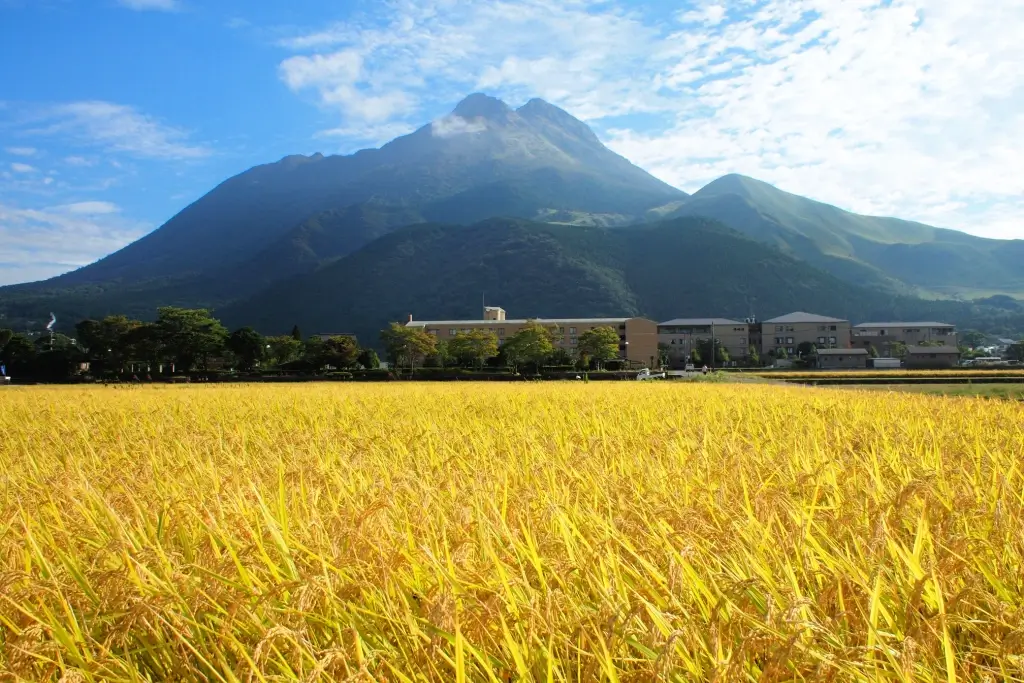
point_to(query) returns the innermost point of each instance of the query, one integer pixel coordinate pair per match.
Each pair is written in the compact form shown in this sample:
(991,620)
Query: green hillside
(675,268)
(900,256)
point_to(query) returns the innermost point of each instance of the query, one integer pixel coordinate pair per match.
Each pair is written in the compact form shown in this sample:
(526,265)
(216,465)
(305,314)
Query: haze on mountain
(262,230)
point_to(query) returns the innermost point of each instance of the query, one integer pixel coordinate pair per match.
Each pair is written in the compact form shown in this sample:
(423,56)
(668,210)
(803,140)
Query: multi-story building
(638,337)
(883,335)
(682,335)
(790,330)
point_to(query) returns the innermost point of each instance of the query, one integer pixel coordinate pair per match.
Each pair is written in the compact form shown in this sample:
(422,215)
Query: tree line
(183,341)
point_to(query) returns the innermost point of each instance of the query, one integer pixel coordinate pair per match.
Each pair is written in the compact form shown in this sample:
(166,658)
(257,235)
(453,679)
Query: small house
(841,359)
(932,357)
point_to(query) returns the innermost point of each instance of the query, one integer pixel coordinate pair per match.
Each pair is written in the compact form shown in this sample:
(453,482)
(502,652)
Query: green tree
(283,349)
(753,357)
(532,344)
(144,343)
(475,346)
(872,351)
(107,341)
(339,352)
(5,336)
(19,355)
(248,347)
(600,344)
(972,338)
(368,359)
(189,336)
(695,356)
(781,353)
(296,333)
(720,353)
(664,353)
(407,345)
(806,349)
(898,349)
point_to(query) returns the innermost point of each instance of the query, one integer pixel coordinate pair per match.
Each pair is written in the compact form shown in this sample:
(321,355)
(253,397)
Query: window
(789,340)
(789,349)
(790,328)
(433,332)
(779,328)
(572,340)
(821,340)
(743,341)
(831,340)
(832,328)
(822,328)
(451,332)
(501,331)
(572,330)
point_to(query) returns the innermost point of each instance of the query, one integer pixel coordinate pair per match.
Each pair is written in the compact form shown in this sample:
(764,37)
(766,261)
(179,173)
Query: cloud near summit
(901,107)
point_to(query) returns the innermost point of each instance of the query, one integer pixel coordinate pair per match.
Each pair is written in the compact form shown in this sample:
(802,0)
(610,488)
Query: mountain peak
(539,110)
(479,105)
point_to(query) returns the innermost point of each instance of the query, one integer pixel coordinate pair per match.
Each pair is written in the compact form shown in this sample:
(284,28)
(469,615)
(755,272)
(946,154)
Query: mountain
(680,267)
(482,160)
(888,253)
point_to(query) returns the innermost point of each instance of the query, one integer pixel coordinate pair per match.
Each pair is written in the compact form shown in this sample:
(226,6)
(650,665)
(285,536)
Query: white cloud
(116,128)
(41,243)
(22,168)
(145,5)
(449,126)
(22,151)
(79,161)
(900,107)
(90,208)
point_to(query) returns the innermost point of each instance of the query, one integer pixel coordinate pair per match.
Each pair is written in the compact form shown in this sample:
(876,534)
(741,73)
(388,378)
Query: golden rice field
(618,531)
(954,373)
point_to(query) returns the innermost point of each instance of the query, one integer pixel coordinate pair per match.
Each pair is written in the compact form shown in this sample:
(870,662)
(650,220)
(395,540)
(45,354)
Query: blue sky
(115,114)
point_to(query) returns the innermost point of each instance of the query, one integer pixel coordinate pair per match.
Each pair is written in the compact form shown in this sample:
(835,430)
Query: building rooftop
(700,321)
(932,349)
(904,324)
(842,352)
(801,317)
(542,321)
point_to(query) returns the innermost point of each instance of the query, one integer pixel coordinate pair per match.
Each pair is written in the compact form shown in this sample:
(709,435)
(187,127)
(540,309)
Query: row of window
(742,341)
(500,331)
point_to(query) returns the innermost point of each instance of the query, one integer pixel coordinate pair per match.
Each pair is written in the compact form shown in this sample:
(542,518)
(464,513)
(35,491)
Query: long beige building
(883,335)
(638,337)
(790,330)
(682,335)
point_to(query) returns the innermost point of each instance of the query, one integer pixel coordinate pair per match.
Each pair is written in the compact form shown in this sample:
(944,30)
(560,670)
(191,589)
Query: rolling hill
(888,253)
(672,268)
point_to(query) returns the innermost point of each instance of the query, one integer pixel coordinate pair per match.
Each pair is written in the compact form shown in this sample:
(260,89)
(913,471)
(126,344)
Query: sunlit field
(621,531)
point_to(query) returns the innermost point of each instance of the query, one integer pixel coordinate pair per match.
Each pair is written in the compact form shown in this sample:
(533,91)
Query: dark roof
(842,352)
(933,349)
(801,317)
(676,322)
(905,324)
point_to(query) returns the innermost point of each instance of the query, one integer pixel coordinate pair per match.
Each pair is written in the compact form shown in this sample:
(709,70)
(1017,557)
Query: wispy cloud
(449,126)
(22,151)
(901,107)
(147,5)
(114,128)
(41,243)
(18,167)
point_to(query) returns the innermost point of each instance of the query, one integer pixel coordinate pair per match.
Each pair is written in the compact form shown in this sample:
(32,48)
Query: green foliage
(368,359)
(407,346)
(533,344)
(475,346)
(189,336)
(107,341)
(600,344)
(338,352)
(283,349)
(704,350)
(898,349)
(248,346)
(806,349)
(5,336)
(753,356)
(872,351)
(18,354)
(972,338)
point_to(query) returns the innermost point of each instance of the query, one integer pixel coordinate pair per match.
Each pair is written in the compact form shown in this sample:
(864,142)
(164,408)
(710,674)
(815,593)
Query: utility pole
(713,349)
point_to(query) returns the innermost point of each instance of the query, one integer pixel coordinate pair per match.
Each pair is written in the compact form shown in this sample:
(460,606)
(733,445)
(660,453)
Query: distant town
(818,340)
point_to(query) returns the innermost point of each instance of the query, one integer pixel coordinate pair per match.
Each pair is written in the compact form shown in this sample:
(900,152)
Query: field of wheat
(473,532)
